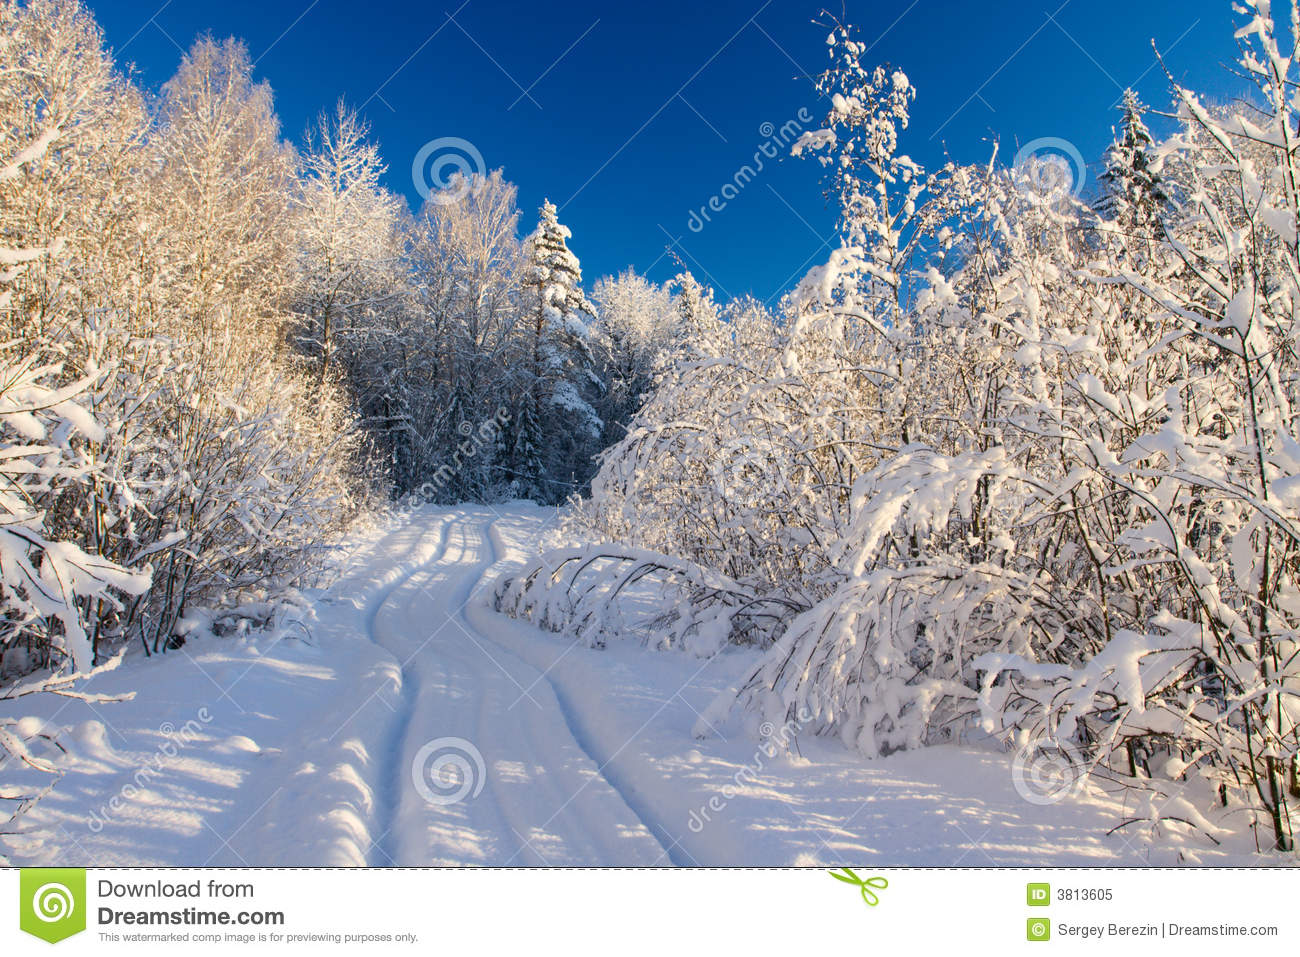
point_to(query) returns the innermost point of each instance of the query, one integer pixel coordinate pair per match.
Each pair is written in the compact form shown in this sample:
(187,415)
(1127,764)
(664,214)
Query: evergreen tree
(526,465)
(1133,193)
(560,369)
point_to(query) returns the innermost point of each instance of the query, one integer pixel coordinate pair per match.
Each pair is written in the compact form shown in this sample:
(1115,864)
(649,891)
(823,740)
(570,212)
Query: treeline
(218,347)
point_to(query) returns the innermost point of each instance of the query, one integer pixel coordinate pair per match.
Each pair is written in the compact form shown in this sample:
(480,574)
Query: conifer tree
(1133,192)
(557,428)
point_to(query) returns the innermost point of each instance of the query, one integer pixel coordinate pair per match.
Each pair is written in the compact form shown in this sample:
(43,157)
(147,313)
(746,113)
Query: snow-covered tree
(697,330)
(468,262)
(49,584)
(634,324)
(560,380)
(1133,193)
(348,246)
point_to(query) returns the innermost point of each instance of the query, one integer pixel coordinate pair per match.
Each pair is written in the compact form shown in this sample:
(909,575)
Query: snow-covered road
(538,797)
(350,746)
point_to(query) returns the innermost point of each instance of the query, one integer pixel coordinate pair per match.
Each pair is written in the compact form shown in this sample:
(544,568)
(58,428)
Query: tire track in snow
(435,679)
(604,765)
(567,808)
(498,817)
(388,788)
(545,799)
(612,774)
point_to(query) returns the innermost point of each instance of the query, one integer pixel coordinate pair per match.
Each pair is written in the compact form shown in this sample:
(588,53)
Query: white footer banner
(252,911)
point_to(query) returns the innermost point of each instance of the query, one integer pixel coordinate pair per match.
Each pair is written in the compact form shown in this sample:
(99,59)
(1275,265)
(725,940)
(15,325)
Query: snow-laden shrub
(47,583)
(601,592)
(736,464)
(1090,538)
(143,327)
(1060,508)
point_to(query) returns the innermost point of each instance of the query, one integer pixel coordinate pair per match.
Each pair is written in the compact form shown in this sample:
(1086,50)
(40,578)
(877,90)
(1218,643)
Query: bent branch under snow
(603,590)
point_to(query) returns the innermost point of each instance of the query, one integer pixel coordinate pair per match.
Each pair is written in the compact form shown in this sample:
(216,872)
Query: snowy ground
(260,752)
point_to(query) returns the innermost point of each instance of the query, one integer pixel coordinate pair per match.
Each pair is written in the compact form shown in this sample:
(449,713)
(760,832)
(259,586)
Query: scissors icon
(868,895)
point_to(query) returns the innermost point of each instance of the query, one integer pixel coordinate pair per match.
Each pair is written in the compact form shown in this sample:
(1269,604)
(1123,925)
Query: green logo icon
(52,902)
(1038,895)
(1038,928)
(868,886)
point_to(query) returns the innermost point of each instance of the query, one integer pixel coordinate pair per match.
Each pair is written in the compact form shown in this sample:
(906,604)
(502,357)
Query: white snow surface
(299,750)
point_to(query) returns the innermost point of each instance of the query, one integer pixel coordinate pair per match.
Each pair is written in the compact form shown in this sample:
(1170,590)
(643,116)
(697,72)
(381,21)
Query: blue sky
(632,116)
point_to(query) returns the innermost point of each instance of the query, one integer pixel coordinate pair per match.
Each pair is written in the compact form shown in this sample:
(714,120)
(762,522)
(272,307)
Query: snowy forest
(1014,468)
(221,347)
